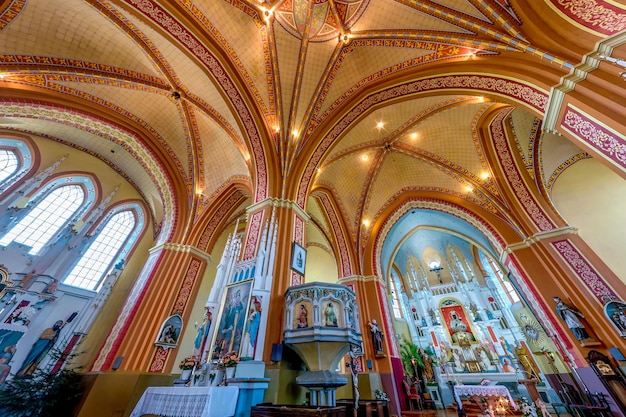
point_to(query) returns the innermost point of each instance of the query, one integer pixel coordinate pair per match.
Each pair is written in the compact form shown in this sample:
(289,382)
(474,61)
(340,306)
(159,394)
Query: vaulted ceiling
(352,102)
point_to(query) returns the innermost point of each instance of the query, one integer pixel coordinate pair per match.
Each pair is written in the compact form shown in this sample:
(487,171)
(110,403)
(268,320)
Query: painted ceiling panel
(394,119)
(358,64)
(191,77)
(222,159)
(288,50)
(436,134)
(318,56)
(399,171)
(522,124)
(316,213)
(155,110)
(78,35)
(464,7)
(232,22)
(389,14)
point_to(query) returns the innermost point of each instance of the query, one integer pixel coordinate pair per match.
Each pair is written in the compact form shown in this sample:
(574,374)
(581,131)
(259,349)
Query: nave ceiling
(360,104)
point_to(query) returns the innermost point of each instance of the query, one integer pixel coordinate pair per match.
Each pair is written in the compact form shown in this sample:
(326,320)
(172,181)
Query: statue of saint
(572,318)
(303,317)
(377,336)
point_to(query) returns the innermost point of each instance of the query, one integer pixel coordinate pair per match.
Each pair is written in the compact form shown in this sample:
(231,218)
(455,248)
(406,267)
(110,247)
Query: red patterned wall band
(472,84)
(601,16)
(114,339)
(182,299)
(584,270)
(527,200)
(254,229)
(298,233)
(387,322)
(600,138)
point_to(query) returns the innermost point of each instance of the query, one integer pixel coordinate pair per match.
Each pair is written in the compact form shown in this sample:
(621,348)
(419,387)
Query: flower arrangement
(529,409)
(189,362)
(230,360)
(381,395)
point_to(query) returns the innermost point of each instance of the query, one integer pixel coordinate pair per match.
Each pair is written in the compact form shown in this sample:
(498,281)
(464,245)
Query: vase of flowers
(229,363)
(529,409)
(187,365)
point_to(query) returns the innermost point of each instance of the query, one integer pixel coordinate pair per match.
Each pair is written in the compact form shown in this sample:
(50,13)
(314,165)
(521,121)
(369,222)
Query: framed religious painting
(170,332)
(229,330)
(615,311)
(298,258)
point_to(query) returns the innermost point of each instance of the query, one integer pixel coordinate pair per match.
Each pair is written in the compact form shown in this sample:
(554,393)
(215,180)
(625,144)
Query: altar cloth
(482,391)
(188,402)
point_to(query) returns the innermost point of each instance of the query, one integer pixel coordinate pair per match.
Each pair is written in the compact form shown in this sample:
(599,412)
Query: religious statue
(572,318)
(355,378)
(40,349)
(248,343)
(427,371)
(377,336)
(484,360)
(201,334)
(303,317)
(330,316)
(459,365)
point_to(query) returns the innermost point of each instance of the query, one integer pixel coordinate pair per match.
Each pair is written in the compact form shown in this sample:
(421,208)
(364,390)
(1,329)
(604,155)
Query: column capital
(280,203)
(177,247)
(361,278)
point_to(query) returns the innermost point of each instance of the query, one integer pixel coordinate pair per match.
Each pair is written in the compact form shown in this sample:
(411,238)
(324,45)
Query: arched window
(395,296)
(9,163)
(46,218)
(112,240)
(16,160)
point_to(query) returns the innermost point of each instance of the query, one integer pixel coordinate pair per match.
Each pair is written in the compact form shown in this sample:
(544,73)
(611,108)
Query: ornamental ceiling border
(219,217)
(338,235)
(595,16)
(522,93)
(170,25)
(492,235)
(128,140)
(11,12)
(270,107)
(534,211)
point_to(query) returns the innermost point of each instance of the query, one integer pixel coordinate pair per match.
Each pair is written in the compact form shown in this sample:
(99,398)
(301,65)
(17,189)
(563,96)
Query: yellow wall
(592,198)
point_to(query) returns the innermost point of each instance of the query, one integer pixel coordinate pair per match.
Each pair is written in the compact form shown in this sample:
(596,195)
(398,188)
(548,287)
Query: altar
(188,402)
(492,395)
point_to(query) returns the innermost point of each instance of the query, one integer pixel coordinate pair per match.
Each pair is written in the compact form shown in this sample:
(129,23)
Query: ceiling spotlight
(380,125)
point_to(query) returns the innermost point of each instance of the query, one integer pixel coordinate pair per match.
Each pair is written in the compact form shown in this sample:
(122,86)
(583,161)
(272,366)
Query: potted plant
(229,361)
(187,365)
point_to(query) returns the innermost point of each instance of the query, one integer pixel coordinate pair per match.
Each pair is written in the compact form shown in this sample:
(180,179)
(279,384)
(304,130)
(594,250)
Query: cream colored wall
(77,161)
(320,266)
(592,198)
